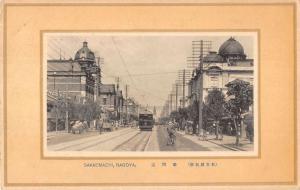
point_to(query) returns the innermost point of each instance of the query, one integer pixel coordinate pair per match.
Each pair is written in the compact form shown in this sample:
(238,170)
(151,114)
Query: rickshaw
(79,127)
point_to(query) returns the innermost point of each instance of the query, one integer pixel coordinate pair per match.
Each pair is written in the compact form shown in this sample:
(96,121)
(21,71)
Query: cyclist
(171,132)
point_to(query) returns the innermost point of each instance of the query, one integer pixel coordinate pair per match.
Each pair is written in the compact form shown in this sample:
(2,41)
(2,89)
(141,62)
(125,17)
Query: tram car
(146,121)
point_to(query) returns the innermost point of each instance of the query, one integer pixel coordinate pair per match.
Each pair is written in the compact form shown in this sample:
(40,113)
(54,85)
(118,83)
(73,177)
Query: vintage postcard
(103,95)
(139,92)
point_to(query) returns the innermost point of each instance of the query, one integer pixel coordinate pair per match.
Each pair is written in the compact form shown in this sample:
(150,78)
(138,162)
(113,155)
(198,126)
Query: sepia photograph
(154,95)
(150,92)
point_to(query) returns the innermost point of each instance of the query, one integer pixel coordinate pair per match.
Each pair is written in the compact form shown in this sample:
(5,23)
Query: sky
(147,62)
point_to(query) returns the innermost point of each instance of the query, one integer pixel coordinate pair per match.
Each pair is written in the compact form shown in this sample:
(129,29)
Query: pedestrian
(250,133)
(221,132)
(100,125)
(202,134)
(171,133)
(215,130)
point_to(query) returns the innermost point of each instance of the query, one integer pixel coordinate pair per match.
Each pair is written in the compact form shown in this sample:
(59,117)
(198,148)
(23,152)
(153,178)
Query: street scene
(150,92)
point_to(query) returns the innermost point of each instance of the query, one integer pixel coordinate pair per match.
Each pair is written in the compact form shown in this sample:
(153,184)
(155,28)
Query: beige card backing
(24,25)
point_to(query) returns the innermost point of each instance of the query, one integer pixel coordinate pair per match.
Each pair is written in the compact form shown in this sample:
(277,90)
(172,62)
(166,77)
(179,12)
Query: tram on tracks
(146,121)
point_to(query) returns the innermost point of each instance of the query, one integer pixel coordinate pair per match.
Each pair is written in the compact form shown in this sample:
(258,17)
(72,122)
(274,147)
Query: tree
(193,115)
(215,101)
(240,95)
(87,111)
(91,111)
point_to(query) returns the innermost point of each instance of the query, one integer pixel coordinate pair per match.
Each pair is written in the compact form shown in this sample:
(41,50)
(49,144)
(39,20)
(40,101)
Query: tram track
(135,143)
(95,140)
(147,142)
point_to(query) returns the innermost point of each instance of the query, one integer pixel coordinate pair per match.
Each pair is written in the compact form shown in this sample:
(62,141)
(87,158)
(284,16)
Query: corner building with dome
(78,79)
(220,68)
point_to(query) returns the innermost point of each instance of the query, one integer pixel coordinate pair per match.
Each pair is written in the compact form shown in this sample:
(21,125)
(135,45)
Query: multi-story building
(75,80)
(220,68)
(79,79)
(111,99)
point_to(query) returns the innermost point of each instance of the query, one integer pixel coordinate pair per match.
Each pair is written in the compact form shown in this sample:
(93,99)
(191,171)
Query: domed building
(79,81)
(80,78)
(220,68)
(85,56)
(232,50)
(213,57)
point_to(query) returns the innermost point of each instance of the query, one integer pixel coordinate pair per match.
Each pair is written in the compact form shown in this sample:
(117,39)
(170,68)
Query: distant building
(220,68)
(110,98)
(132,107)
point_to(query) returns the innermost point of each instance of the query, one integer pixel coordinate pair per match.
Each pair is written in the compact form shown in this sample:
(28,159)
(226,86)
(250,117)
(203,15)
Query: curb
(225,146)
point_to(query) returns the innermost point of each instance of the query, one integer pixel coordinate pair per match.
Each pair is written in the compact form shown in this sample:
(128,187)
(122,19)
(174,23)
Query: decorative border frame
(92,158)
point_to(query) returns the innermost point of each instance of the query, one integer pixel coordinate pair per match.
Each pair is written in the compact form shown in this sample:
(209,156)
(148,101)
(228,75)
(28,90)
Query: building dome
(232,49)
(84,54)
(213,57)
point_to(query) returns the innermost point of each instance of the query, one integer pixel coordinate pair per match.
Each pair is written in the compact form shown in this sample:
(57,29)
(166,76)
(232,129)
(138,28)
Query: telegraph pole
(201,88)
(119,105)
(183,89)
(67,111)
(176,94)
(118,82)
(171,104)
(126,96)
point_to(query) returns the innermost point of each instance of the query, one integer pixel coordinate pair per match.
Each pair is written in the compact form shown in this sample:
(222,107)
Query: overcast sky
(147,62)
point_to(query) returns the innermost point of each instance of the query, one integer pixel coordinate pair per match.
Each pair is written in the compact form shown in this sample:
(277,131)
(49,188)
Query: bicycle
(171,139)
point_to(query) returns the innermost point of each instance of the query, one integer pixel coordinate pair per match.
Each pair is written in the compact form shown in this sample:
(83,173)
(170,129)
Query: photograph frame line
(42,151)
(6,183)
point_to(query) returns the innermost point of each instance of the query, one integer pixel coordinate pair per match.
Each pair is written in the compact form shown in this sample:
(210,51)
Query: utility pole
(67,111)
(200,49)
(176,94)
(118,99)
(201,88)
(59,53)
(56,113)
(170,104)
(118,82)
(183,77)
(126,101)
(183,89)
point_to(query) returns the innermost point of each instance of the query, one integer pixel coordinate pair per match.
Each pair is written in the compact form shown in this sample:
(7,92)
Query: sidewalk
(64,136)
(52,134)
(228,142)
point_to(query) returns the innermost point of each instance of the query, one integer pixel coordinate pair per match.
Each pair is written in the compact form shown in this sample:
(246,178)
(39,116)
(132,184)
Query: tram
(146,121)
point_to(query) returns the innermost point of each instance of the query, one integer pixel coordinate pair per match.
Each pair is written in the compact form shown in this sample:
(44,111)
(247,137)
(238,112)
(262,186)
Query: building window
(214,81)
(104,101)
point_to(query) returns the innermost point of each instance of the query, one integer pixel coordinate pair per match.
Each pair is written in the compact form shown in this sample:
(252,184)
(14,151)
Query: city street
(130,139)
(84,94)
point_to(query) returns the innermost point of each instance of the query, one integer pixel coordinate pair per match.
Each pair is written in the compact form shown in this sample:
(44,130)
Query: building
(76,81)
(79,79)
(65,77)
(132,108)
(220,68)
(111,99)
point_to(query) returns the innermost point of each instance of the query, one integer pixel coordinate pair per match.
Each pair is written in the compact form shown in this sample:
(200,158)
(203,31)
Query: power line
(54,48)
(150,74)
(59,44)
(123,61)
